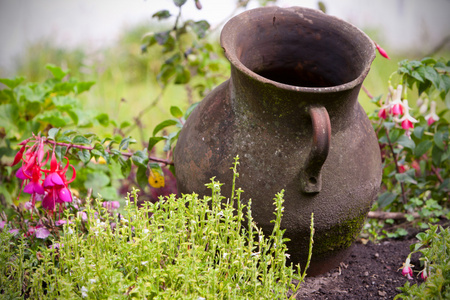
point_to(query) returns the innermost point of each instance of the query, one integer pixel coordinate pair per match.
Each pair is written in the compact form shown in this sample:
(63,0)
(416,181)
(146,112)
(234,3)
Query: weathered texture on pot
(312,65)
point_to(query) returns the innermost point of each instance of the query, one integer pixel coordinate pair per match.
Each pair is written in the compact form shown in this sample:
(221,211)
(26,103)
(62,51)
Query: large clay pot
(290,112)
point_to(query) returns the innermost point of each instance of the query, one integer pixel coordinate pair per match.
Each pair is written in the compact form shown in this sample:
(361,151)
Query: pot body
(290,111)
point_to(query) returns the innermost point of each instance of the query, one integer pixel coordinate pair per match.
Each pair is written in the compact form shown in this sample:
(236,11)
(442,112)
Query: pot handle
(312,176)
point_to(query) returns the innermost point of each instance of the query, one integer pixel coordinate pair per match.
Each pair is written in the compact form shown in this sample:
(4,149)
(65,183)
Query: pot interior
(299,47)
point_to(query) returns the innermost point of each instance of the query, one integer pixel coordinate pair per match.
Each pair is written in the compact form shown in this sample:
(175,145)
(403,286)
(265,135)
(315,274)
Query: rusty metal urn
(290,112)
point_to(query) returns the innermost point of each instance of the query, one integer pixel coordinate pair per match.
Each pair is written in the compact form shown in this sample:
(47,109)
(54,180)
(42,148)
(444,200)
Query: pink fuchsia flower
(407,120)
(396,107)
(35,186)
(382,51)
(406,268)
(383,113)
(56,184)
(2,224)
(111,205)
(432,116)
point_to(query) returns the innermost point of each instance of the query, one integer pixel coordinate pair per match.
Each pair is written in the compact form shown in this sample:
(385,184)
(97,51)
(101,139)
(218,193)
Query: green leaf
(124,124)
(141,176)
(84,155)
(103,153)
(190,110)
(406,142)
(163,125)
(436,155)
(405,177)
(64,87)
(126,142)
(182,75)
(176,112)
(108,193)
(179,3)
(52,133)
(12,83)
(153,141)
(428,61)
(96,181)
(418,131)
(73,115)
(385,199)
(432,75)
(125,166)
(140,158)
(83,86)
(162,37)
(200,28)
(103,119)
(162,14)
(422,148)
(57,72)
(166,73)
(55,118)
(170,140)
(439,140)
(64,102)
(79,139)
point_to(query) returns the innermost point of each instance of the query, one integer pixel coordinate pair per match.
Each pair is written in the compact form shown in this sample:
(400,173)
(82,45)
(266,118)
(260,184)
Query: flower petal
(49,202)
(42,233)
(64,195)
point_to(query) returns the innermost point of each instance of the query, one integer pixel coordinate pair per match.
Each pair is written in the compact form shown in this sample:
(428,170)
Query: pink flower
(424,274)
(382,51)
(2,224)
(382,113)
(61,222)
(406,268)
(432,116)
(407,271)
(397,105)
(35,187)
(42,232)
(407,120)
(14,231)
(111,205)
(56,184)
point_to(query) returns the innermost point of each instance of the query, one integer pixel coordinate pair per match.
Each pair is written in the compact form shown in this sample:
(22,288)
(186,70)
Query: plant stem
(126,154)
(402,185)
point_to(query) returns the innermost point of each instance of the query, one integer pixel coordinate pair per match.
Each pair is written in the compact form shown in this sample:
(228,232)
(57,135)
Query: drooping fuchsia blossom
(432,116)
(407,120)
(382,51)
(396,107)
(406,268)
(56,184)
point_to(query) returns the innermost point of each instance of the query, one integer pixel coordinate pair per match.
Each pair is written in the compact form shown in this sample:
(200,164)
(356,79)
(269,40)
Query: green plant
(183,248)
(414,142)
(434,245)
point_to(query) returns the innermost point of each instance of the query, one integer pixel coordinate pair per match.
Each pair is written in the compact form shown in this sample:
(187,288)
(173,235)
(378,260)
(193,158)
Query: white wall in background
(403,24)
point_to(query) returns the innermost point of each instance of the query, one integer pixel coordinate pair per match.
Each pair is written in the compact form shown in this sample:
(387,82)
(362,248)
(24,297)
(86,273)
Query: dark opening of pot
(298,47)
(297,77)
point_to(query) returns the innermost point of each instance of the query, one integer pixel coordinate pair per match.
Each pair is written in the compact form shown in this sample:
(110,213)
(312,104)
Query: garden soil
(371,271)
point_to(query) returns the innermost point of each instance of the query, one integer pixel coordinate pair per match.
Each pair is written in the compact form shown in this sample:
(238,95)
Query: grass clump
(177,248)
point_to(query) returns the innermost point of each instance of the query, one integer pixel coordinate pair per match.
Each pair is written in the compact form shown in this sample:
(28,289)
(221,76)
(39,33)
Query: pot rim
(234,23)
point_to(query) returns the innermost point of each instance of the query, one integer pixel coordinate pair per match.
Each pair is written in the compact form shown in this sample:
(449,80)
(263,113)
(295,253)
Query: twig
(367,92)
(126,154)
(384,215)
